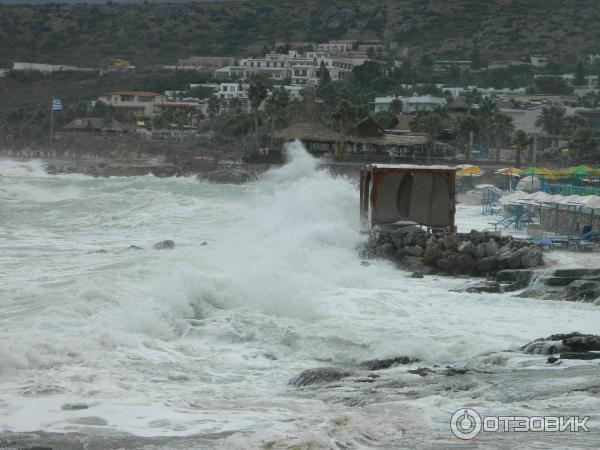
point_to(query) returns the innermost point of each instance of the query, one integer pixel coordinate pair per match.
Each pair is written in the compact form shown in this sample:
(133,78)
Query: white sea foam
(204,338)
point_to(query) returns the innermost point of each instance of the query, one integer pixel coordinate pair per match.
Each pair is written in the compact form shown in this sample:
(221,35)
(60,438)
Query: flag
(56,105)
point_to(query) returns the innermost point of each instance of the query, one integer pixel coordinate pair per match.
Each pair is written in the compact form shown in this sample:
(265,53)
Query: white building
(336,46)
(410,105)
(539,61)
(135,103)
(47,68)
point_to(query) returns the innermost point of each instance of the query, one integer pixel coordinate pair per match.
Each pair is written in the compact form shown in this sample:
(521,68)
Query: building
(4,72)
(206,64)
(449,64)
(524,118)
(231,73)
(134,103)
(336,46)
(592,116)
(47,68)
(539,61)
(226,92)
(410,105)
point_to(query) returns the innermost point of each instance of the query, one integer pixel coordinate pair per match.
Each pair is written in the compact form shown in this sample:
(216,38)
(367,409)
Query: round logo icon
(465,423)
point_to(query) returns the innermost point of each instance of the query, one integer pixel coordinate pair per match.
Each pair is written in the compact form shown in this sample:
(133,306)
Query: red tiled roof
(136,93)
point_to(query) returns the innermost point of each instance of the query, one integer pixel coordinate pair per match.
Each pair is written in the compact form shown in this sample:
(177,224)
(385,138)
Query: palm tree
(520,141)
(502,126)
(552,120)
(466,127)
(256,94)
(582,138)
(275,108)
(432,123)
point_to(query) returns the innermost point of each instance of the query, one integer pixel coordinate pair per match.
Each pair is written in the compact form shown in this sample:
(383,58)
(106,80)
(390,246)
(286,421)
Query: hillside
(152,33)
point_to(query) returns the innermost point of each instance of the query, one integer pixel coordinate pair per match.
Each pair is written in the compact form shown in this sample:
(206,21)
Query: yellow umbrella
(470,171)
(509,171)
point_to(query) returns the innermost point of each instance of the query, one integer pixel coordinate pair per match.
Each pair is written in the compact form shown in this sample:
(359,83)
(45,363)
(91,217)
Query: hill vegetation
(153,33)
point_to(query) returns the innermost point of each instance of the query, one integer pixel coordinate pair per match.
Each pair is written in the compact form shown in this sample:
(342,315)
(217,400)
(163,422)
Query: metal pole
(51,125)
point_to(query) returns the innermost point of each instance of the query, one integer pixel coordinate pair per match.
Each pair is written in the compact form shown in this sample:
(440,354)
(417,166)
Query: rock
(465,263)
(414,264)
(164,245)
(417,275)
(491,248)
(74,406)
(432,253)
(467,248)
(489,287)
(379,364)
(480,251)
(582,290)
(134,247)
(449,264)
(552,360)
(583,355)
(318,375)
(582,342)
(450,242)
(422,371)
(415,250)
(486,264)
(204,243)
(531,257)
(101,251)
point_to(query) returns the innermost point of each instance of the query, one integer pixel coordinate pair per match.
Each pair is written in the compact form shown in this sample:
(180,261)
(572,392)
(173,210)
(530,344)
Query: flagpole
(51,125)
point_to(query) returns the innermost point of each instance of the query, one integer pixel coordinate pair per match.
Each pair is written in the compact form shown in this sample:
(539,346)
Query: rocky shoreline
(476,253)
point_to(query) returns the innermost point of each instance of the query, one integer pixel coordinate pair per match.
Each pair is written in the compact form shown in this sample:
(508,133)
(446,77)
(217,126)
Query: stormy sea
(108,342)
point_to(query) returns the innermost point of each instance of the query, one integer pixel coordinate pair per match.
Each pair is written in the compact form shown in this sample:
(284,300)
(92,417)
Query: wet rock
(414,264)
(486,264)
(569,343)
(134,247)
(318,375)
(415,250)
(582,355)
(450,242)
(449,264)
(74,406)
(417,275)
(422,371)
(480,251)
(491,248)
(164,245)
(531,257)
(467,248)
(432,253)
(582,290)
(465,263)
(489,287)
(582,342)
(388,250)
(552,360)
(379,364)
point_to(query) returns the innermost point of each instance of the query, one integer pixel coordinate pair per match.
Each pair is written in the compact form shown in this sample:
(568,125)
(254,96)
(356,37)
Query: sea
(105,345)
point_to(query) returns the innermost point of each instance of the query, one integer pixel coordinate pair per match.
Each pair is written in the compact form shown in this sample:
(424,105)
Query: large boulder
(530,256)
(432,253)
(491,248)
(415,250)
(480,251)
(465,263)
(318,375)
(164,245)
(450,242)
(467,248)
(449,263)
(487,264)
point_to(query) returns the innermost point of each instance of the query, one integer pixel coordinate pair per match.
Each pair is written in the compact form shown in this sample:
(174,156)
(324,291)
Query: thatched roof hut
(309,126)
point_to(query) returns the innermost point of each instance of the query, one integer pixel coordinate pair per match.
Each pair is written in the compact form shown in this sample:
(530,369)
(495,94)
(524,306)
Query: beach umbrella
(577,171)
(470,171)
(511,171)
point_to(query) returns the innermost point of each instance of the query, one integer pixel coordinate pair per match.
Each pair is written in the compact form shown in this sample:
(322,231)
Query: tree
(432,123)
(465,128)
(520,142)
(323,74)
(502,126)
(582,139)
(214,106)
(275,108)
(256,94)
(552,120)
(386,119)
(579,74)
(396,106)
